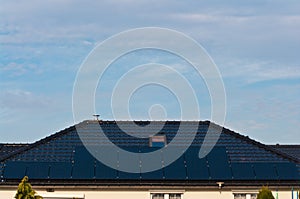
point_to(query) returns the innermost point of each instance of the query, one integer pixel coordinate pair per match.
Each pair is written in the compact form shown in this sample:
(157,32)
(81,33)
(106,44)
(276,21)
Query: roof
(63,157)
(7,149)
(292,150)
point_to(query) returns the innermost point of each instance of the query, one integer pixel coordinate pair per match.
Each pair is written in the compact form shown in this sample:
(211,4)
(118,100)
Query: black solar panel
(105,172)
(154,175)
(176,170)
(287,171)
(243,171)
(135,163)
(60,170)
(265,171)
(129,176)
(37,170)
(219,164)
(15,170)
(196,168)
(84,164)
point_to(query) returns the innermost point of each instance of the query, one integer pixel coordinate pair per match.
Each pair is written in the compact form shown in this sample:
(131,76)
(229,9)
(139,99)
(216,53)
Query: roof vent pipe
(96,117)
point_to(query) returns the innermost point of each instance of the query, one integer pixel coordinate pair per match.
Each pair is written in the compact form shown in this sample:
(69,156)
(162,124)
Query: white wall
(136,194)
(7,194)
(208,195)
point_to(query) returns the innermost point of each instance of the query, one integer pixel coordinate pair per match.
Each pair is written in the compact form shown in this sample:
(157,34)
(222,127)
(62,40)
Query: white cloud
(17,69)
(210,18)
(23,100)
(258,71)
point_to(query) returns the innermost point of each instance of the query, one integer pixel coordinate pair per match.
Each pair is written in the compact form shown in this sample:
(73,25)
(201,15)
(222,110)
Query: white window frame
(247,193)
(166,193)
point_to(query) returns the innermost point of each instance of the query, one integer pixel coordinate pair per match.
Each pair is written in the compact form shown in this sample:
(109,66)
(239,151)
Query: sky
(255,45)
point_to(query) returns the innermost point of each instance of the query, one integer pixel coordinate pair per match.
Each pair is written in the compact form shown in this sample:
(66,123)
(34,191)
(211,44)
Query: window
(174,196)
(245,195)
(166,196)
(158,141)
(158,196)
(239,196)
(253,196)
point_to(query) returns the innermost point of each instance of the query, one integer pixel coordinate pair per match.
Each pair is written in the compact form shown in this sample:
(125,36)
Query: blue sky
(255,45)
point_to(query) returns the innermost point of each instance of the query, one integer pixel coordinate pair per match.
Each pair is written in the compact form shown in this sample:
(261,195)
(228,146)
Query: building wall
(5,194)
(98,194)
(210,195)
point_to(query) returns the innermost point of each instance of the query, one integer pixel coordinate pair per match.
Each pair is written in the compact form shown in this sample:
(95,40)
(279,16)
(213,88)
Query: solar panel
(15,170)
(60,170)
(34,170)
(176,170)
(134,164)
(84,164)
(243,171)
(105,172)
(1,169)
(287,171)
(265,171)
(219,164)
(153,175)
(196,168)
(38,170)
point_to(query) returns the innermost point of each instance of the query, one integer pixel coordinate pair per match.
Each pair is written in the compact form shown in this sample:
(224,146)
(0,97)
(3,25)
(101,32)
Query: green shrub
(265,193)
(25,190)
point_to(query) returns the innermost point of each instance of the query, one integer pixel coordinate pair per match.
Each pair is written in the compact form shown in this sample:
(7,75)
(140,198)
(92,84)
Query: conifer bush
(25,190)
(265,193)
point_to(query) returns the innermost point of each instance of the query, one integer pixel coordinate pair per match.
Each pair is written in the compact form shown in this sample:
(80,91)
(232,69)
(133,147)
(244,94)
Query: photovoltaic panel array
(215,166)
